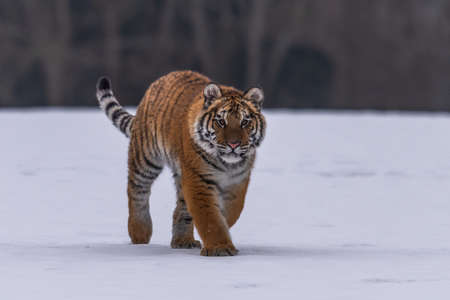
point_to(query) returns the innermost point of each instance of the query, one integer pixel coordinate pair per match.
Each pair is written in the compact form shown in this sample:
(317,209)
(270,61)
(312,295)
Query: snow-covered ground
(341,206)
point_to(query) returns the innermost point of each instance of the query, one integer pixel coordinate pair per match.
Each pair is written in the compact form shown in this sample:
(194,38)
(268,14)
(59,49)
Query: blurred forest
(355,54)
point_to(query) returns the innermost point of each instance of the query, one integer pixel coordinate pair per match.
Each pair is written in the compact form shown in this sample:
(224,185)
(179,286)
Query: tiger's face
(231,125)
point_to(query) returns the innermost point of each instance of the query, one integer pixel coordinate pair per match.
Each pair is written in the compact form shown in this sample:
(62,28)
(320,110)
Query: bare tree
(255,36)
(50,37)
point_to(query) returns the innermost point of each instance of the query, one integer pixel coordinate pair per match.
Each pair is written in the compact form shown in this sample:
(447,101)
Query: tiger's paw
(225,250)
(185,244)
(140,232)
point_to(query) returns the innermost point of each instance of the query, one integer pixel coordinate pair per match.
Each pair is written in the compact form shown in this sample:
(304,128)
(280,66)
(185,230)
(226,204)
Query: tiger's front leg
(201,197)
(234,198)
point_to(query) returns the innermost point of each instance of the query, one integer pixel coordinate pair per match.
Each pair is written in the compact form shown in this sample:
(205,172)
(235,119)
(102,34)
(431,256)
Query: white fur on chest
(227,179)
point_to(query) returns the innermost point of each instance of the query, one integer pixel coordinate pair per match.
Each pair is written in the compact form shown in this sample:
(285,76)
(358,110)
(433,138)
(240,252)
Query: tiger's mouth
(232,155)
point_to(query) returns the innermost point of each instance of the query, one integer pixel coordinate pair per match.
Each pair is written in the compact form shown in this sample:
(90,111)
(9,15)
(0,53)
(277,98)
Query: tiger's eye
(244,123)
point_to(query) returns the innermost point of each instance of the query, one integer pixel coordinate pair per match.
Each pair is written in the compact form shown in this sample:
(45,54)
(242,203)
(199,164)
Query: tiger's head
(231,124)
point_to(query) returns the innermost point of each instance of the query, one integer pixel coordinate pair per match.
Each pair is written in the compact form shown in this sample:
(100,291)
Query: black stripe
(137,185)
(136,168)
(142,146)
(124,123)
(209,162)
(261,123)
(146,160)
(207,122)
(144,137)
(148,176)
(204,194)
(187,219)
(145,174)
(155,109)
(210,182)
(161,110)
(261,130)
(146,115)
(210,122)
(154,141)
(109,106)
(257,124)
(200,122)
(210,119)
(199,132)
(150,164)
(117,114)
(140,188)
(138,192)
(108,94)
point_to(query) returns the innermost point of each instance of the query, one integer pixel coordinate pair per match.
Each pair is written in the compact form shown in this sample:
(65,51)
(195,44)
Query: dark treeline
(380,54)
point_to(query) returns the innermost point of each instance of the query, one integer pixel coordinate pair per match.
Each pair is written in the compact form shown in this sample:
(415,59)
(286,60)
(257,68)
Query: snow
(340,206)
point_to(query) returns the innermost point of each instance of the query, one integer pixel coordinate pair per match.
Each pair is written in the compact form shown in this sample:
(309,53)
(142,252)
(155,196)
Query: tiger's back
(207,135)
(162,113)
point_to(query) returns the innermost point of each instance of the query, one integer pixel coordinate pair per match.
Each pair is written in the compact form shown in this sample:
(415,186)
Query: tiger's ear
(211,92)
(256,96)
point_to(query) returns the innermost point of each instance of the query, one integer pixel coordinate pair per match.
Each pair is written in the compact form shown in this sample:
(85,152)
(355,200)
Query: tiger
(207,134)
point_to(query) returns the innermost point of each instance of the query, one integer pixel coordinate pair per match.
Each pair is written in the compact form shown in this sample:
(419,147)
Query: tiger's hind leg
(142,172)
(183,227)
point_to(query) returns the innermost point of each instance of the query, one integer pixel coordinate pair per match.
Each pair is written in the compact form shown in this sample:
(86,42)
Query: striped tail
(113,110)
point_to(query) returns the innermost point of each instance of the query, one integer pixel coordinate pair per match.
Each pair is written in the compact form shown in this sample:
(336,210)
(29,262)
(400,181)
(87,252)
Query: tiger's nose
(234,144)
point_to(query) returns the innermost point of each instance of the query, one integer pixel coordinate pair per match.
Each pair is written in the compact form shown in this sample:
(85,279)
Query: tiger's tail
(121,119)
